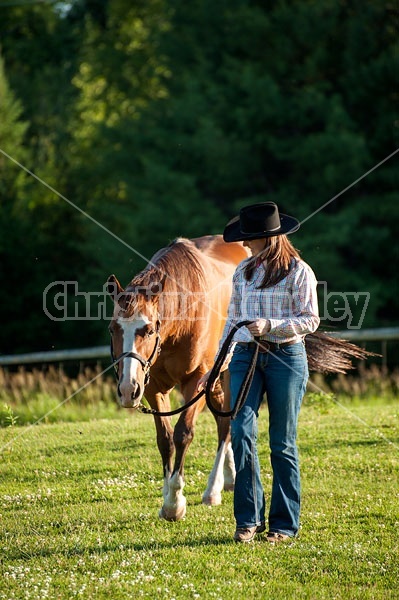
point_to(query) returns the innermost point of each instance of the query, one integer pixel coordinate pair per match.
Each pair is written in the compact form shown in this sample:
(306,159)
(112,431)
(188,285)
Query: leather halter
(146,364)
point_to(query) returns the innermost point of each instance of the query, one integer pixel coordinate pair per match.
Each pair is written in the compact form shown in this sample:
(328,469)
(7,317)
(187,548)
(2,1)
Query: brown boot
(247,534)
(273,537)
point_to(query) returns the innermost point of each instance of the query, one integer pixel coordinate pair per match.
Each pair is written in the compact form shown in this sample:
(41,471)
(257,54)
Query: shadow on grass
(19,554)
(346,443)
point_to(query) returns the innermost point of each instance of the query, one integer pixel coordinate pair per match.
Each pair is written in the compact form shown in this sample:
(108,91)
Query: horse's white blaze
(130,365)
(213,493)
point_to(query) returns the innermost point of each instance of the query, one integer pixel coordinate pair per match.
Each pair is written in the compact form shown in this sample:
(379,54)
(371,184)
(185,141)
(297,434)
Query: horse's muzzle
(130,398)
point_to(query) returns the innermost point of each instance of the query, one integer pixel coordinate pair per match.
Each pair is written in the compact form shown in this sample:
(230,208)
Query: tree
(274,102)
(13,226)
(161,118)
(39,234)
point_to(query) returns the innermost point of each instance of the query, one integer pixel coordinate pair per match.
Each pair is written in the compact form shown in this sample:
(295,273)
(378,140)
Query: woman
(276,291)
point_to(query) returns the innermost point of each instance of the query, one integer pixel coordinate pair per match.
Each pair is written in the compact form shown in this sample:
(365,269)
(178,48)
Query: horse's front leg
(174,507)
(166,448)
(222,475)
(165,442)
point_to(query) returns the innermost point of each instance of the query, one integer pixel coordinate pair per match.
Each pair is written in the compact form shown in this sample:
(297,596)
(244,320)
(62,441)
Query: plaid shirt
(290,305)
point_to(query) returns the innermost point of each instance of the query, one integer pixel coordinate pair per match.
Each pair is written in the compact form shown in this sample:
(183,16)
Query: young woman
(276,291)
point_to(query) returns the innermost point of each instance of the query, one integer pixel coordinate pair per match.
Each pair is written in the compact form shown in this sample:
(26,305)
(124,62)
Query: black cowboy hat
(259,221)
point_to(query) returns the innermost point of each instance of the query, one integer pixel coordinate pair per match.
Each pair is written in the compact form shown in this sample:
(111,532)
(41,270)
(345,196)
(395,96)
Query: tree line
(161,118)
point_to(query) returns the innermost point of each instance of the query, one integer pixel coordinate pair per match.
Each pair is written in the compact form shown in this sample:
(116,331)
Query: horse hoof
(170,515)
(228,487)
(214,500)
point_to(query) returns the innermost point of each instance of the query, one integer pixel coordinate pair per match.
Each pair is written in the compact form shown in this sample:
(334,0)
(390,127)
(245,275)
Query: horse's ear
(113,287)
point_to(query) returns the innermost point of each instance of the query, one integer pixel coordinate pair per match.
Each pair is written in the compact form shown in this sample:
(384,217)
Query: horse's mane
(175,279)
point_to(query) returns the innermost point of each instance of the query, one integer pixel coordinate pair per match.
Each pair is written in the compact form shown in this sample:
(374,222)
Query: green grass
(79,504)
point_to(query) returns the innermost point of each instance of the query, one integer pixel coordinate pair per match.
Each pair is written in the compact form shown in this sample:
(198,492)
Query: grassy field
(79,504)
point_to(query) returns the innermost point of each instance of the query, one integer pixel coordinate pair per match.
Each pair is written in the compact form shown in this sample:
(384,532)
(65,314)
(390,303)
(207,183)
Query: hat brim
(233,233)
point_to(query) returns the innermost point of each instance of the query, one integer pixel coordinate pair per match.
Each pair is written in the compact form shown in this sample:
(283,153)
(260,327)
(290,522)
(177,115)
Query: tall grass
(51,395)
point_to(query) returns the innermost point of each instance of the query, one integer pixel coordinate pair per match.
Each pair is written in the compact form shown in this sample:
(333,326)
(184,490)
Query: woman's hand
(259,327)
(203,381)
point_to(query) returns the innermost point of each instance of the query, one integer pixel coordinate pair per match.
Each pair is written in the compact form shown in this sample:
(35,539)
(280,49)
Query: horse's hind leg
(222,475)
(174,507)
(229,469)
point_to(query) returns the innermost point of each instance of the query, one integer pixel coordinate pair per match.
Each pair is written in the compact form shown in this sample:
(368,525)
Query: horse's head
(135,340)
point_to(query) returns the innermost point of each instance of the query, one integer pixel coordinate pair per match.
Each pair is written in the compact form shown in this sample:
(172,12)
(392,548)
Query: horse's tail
(328,354)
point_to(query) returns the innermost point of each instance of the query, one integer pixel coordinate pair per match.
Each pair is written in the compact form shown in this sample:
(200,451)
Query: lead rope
(214,374)
(246,384)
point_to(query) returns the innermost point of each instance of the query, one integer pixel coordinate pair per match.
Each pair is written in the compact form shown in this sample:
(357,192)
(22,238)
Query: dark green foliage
(161,119)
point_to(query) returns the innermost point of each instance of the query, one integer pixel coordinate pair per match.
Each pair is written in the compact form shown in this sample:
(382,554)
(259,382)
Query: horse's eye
(150,332)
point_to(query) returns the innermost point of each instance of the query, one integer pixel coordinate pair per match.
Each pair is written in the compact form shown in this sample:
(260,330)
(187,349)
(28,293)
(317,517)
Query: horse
(165,328)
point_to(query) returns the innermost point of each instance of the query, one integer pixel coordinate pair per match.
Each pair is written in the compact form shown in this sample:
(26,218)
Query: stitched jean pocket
(293,350)
(239,350)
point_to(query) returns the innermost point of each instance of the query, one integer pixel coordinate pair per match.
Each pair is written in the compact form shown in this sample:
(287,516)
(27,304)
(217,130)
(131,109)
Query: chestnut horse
(170,318)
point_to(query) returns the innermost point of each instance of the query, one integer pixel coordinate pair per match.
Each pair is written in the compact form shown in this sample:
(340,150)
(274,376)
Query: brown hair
(280,257)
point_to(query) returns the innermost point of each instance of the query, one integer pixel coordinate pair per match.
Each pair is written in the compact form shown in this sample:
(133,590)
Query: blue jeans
(282,375)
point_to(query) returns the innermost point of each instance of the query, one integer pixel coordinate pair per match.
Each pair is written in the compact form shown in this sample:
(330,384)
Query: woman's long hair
(279,257)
